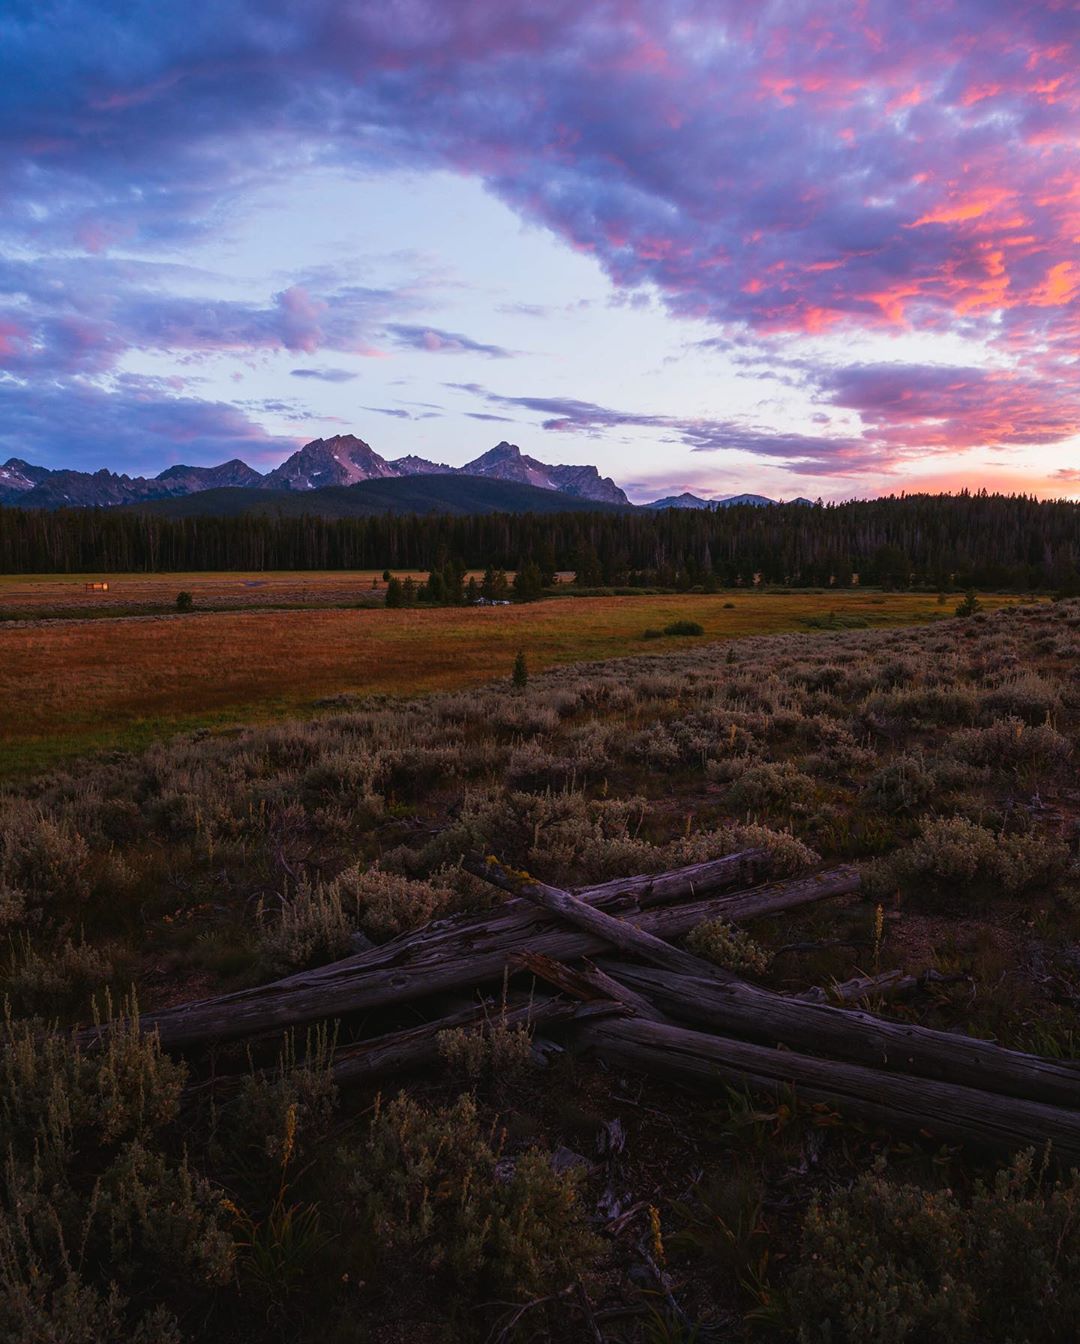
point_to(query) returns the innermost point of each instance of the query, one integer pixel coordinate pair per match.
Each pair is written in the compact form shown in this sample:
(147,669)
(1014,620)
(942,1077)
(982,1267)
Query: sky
(803,247)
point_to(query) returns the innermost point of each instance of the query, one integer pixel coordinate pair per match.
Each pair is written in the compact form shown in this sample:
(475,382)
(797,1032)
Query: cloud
(325,375)
(907,411)
(806,454)
(809,169)
(136,425)
(82,317)
(948,407)
(434,341)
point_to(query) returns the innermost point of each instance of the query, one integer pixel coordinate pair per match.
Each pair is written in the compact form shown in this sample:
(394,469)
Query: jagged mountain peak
(502,453)
(341,460)
(684,501)
(185,480)
(411,465)
(506,462)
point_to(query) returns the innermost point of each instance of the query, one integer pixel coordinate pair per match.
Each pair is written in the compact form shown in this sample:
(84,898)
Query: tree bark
(741,1009)
(945,1110)
(418,1047)
(588,983)
(461,953)
(618,932)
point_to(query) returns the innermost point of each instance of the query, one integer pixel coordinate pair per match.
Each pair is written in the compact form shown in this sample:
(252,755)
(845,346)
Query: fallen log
(947,1111)
(458,954)
(418,1047)
(587,983)
(740,1009)
(708,995)
(743,868)
(888,985)
(618,932)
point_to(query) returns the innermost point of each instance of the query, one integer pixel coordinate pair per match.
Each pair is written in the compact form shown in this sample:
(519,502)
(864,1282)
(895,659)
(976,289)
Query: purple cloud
(70,318)
(798,168)
(806,454)
(137,425)
(324,375)
(434,341)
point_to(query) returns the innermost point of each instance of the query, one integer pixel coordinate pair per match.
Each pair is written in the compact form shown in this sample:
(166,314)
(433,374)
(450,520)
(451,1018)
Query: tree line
(973,539)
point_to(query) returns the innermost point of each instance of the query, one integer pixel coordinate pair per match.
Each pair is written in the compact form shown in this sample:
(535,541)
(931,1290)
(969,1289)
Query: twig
(519,1312)
(586,1307)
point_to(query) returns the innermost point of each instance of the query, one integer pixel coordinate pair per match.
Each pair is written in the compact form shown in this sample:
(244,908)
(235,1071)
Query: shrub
(1027,695)
(385,904)
(44,857)
(78,1256)
(185,601)
(494,1053)
(684,628)
(767,786)
(895,1263)
(900,785)
(291,1104)
(12,906)
(788,855)
(1011,744)
(718,941)
(53,980)
(955,856)
(436,1185)
(310,928)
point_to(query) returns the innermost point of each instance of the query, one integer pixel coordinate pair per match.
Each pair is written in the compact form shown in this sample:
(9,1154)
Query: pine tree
(528,582)
(970,604)
(519,678)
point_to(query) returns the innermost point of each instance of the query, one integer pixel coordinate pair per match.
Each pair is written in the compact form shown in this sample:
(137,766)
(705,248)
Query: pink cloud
(782,169)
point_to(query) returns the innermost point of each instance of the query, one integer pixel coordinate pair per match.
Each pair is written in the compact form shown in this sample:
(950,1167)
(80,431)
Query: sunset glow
(828,249)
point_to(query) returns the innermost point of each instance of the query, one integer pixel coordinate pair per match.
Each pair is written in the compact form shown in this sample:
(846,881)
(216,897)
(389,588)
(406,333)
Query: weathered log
(458,953)
(721,1000)
(888,985)
(418,1047)
(618,932)
(588,983)
(745,1010)
(743,868)
(893,1101)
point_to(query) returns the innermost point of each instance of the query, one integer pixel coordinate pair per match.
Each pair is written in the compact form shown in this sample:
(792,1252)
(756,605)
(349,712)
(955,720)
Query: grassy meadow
(122,681)
(44,596)
(247,1199)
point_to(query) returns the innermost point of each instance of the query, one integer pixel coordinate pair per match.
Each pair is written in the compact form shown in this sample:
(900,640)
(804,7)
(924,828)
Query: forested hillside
(985,540)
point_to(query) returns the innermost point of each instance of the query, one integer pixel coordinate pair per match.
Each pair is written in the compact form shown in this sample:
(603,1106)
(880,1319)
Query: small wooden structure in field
(98,586)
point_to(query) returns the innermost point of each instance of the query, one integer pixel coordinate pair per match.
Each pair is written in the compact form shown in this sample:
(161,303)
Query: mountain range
(341,460)
(325,464)
(429,492)
(688,501)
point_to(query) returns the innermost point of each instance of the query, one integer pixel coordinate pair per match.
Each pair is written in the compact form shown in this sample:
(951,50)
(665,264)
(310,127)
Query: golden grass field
(75,685)
(34,594)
